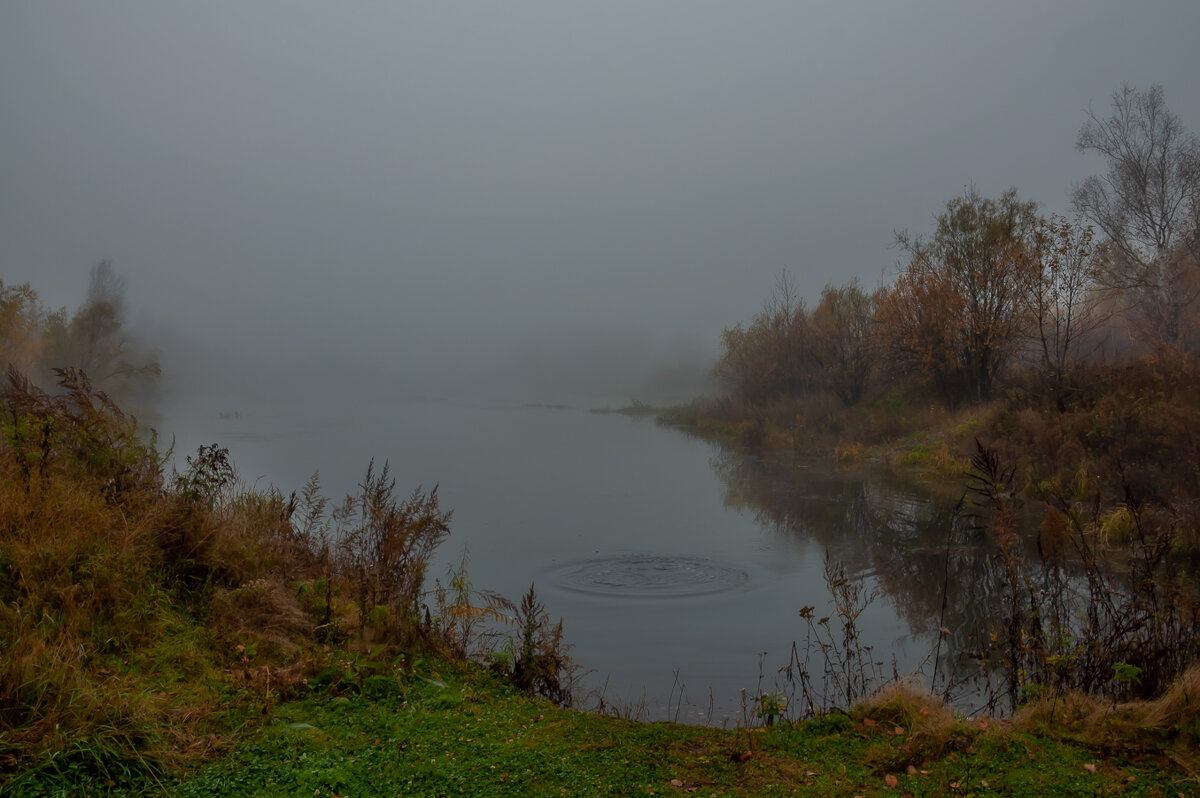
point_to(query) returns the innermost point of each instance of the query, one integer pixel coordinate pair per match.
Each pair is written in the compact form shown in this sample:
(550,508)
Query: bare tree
(1148,206)
(1064,301)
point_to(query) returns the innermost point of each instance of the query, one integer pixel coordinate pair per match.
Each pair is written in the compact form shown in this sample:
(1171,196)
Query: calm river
(678,567)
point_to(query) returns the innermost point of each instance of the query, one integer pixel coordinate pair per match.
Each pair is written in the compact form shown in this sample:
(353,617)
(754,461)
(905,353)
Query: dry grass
(108,581)
(911,706)
(908,709)
(1170,722)
(136,609)
(264,614)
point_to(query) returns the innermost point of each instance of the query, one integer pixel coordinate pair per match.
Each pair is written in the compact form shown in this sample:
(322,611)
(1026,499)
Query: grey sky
(405,183)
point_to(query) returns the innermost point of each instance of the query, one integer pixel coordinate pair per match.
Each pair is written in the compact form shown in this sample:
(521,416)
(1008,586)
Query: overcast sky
(489,185)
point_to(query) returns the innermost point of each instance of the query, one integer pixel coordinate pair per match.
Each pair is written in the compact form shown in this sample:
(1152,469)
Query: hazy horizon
(443,196)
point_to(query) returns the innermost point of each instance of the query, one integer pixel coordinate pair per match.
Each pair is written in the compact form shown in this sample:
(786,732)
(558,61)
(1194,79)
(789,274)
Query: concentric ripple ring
(647,576)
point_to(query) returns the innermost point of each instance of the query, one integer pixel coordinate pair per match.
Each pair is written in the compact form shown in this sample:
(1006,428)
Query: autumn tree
(770,356)
(919,320)
(841,337)
(956,312)
(1148,207)
(20,332)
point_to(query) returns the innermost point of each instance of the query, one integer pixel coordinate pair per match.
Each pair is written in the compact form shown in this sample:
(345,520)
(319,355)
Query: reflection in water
(925,556)
(664,555)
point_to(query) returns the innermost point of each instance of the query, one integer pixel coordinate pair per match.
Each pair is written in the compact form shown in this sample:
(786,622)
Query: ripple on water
(647,576)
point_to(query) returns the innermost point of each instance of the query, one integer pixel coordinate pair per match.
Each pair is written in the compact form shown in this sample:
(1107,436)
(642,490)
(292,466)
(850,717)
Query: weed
(539,661)
(142,618)
(1074,625)
(849,672)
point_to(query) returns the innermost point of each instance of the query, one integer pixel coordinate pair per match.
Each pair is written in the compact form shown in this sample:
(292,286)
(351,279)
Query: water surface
(678,567)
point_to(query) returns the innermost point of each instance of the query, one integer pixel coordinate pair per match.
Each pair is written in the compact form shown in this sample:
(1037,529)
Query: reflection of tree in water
(914,542)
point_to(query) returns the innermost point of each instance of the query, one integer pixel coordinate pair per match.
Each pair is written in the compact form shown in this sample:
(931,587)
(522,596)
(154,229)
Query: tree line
(997,284)
(94,338)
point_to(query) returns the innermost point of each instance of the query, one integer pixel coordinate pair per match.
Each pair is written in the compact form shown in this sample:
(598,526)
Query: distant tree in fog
(93,338)
(1065,303)
(841,339)
(770,356)
(1148,206)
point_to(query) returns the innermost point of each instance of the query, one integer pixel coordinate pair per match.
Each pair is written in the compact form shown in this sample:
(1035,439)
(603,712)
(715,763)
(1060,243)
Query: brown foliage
(771,356)
(386,543)
(124,597)
(842,339)
(956,312)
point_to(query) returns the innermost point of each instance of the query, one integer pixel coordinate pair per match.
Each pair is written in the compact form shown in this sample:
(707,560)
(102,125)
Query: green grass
(458,731)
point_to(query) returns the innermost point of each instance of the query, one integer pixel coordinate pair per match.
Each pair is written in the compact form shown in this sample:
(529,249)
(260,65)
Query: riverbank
(885,429)
(1089,499)
(446,729)
(183,634)
(1122,432)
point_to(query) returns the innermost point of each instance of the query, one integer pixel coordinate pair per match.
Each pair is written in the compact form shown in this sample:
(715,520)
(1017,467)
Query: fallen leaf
(898,731)
(891,781)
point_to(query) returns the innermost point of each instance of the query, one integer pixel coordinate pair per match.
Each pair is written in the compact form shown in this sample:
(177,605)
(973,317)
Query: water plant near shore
(1089,616)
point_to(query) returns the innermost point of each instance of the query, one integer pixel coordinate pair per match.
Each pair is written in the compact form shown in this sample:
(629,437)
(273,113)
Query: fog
(545,197)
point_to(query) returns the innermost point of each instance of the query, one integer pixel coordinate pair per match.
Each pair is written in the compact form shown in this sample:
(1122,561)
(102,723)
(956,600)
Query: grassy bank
(445,729)
(149,619)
